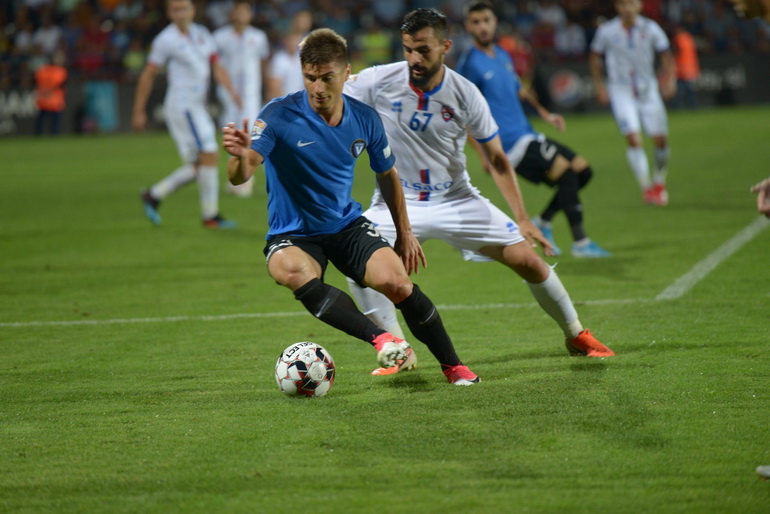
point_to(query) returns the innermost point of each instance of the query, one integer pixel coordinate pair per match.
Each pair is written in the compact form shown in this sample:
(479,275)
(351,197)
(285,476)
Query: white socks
(377,308)
(637,159)
(662,155)
(550,295)
(555,301)
(178,178)
(208,185)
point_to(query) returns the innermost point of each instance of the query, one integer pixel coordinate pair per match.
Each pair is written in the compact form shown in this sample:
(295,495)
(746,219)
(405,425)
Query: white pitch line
(698,272)
(681,286)
(256,315)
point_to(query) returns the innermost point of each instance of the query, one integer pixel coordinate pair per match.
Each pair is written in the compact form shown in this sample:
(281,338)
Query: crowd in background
(109,39)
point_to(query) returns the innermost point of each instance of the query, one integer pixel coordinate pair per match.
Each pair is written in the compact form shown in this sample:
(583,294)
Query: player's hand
(763,196)
(410,251)
(534,237)
(557,121)
(668,89)
(139,121)
(236,142)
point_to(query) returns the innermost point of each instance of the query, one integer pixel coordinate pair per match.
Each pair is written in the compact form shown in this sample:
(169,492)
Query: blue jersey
(309,165)
(498,82)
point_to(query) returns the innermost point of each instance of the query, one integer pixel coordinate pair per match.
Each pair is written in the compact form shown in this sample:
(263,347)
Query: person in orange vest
(49,94)
(687,68)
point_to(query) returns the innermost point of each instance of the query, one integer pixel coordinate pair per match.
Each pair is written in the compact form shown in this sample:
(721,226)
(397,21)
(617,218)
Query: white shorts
(468,223)
(644,110)
(192,129)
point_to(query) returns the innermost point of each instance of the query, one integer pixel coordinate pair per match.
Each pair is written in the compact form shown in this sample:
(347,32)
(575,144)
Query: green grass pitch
(136,362)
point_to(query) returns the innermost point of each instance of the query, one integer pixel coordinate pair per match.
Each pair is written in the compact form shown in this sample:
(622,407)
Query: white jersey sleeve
(481,123)
(659,39)
(361,85)
(160,49)
(599,43)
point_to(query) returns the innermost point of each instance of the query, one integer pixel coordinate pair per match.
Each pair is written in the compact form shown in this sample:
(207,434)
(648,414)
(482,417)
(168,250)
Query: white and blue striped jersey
(188,57)
(427,130)
(630,52)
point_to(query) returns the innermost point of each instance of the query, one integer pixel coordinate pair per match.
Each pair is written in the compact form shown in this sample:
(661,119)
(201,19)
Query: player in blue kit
(534,156)
(309,142)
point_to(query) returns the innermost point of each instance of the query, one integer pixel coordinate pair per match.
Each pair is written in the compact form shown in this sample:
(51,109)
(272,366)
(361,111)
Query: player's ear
(447,45)
(347,71)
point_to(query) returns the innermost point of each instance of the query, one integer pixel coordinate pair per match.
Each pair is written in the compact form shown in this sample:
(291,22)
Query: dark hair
(323,46)
(476,6)
(420,19)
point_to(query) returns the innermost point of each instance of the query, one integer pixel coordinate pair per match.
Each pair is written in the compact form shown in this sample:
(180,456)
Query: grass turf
(136,362)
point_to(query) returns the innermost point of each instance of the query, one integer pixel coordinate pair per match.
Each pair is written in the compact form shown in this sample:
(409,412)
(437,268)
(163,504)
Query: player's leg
(655,123)
(551,295)
(188,151)
(484,232)
(362,254)
(299,266)
(374,304)
(385,273)
(568,182)
(540,156)
(626,113)
(202,127)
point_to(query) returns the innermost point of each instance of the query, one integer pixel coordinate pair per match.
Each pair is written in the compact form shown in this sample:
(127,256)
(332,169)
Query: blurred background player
(428,110)
(284,74)
(629,44)
(189,52)
(533,155)
(309,142)
(243,51)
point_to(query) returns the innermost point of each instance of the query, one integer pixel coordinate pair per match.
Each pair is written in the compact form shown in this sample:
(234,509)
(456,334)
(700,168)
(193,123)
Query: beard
(426,77)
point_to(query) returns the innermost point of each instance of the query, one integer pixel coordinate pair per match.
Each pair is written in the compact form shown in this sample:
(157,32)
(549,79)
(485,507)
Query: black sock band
(336,308)
(569,202)
(425,323)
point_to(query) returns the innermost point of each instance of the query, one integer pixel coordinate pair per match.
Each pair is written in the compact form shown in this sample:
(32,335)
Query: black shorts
(538,159)
(349,249)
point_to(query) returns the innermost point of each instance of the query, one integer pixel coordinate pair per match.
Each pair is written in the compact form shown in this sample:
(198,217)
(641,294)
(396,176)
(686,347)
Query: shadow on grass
(410,382)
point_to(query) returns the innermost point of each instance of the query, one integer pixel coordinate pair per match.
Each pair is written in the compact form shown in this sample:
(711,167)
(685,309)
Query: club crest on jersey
(358,147)
(447,113)
(257,129)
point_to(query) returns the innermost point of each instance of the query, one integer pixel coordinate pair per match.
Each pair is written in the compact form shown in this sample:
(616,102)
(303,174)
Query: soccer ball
(305,369)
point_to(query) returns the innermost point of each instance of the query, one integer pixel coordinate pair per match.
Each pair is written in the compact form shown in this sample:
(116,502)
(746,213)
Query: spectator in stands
(687,67)
(49,93)
(48,35)
(570,40)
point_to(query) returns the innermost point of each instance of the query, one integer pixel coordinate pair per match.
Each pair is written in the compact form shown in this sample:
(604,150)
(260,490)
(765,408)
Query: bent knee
(396,289)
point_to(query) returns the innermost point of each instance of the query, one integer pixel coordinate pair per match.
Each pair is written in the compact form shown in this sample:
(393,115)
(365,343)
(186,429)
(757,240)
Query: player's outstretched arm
(763,196)
(244,161)
(407,246)
(505,180)
(141,95)
(556,120)
(596,66)
(223,78)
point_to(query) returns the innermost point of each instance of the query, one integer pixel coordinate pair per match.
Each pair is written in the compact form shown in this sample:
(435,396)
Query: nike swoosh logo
(301,143)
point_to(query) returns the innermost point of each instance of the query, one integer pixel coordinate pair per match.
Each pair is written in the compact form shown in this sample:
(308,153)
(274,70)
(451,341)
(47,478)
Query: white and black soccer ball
(305,369)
